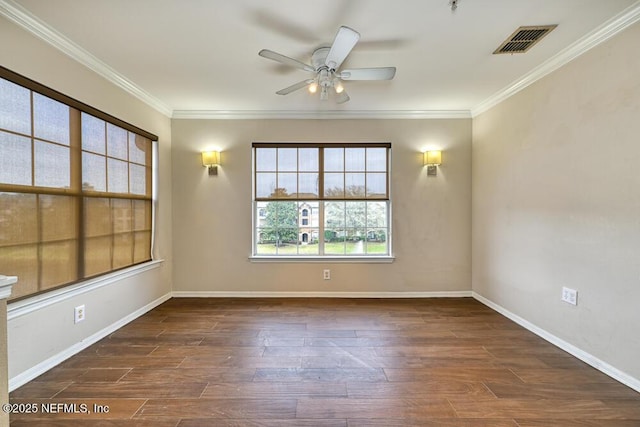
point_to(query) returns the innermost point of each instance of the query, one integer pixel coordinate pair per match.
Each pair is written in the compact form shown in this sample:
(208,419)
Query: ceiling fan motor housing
(319,57)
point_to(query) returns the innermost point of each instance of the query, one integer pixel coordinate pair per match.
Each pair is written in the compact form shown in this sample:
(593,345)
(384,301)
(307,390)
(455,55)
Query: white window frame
(321,257)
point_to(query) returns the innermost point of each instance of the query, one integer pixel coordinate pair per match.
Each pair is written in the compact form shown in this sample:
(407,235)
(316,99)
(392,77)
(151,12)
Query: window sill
(28,305)
(383,259)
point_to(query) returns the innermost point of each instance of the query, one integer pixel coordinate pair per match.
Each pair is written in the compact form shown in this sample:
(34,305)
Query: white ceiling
(200,57)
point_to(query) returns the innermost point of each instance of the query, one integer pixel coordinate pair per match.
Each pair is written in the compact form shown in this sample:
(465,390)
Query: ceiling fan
(325,64)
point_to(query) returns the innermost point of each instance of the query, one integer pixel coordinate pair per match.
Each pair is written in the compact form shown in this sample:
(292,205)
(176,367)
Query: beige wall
(556,202)
(54,328)
(212,215)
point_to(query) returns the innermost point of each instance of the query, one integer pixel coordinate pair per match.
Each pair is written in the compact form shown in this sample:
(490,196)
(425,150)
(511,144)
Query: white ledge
(37,302)
(6,282)
(386,259)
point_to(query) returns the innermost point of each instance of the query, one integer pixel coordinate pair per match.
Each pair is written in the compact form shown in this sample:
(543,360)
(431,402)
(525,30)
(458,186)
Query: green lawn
(332,248)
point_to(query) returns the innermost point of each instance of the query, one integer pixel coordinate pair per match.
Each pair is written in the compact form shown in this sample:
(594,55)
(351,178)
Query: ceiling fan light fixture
(326,68)
(324,94)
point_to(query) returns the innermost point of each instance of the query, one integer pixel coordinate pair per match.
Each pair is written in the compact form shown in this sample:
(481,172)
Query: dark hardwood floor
(325,362)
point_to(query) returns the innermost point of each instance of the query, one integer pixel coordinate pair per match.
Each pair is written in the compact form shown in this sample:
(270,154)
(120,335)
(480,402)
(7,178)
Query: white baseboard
(261,294)
(55,360)
(590,359)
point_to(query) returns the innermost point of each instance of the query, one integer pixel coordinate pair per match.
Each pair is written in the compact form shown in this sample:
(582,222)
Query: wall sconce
(432,159)
(211,160)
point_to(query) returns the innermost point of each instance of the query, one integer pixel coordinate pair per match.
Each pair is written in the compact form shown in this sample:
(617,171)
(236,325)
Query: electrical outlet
(570,296)
(78,314)
(326,274)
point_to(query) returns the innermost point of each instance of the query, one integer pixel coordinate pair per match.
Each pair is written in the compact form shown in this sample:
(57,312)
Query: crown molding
(626,18)
(25,19)
(325,114)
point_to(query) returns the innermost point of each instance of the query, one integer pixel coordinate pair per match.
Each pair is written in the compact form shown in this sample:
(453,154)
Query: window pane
(97,255)
(354,185)
(59,264)
(15,161)
(118,181)
(287,159)
(308,159)
(356,214)
(287,237)
(15,107)
(52,165)
(58,217)
(377,241)
(116,142)
(122,250)
(264,244)
(308,185)
(354,244)
(19,221)
(334,159)
(261,213)
(334,185)
(376,159)
(21,261)
(376,214)
(310,210)
(142,246)
(286,215)
(334,214)
(97,216)
(287,185)
(121,215)
(266,159)
(308,242)
(377,185)
(265,185)
(50,119)
(139,149)
(334,241)
(94,172)
(141,215)
(137,179)
(354,159)
(264,235)
(94,134)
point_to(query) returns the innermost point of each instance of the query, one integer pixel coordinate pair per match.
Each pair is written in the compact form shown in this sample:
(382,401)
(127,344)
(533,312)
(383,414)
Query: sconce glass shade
(210,158)
(433,157)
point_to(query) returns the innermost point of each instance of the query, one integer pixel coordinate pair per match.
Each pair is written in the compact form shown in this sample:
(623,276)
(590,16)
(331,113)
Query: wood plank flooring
(326,362)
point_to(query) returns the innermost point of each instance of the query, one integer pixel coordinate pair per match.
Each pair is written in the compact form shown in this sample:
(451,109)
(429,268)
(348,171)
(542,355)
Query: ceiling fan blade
(345,40)
(292,88)
(342,97)
(274,56)
(383,73)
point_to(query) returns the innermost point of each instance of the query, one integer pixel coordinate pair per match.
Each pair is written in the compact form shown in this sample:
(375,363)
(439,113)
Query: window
(75,189)
(321,199)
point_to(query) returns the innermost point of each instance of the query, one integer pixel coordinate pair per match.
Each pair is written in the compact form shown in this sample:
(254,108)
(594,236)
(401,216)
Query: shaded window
(75,189)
